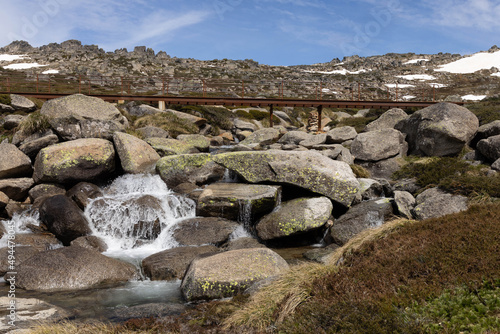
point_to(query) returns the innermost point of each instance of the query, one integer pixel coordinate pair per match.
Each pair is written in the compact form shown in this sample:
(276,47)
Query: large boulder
(172,263)
(71,268)
(16,189)
(262,137)
(295,217)
(12,121)
(79,116)
(168,146)
(360,217)
(490,148)
(379,145)
(388,120)
(152,131)
(294,137)
(434,203)
(14,163)
(309,170)
(136,155)
(193,168)
(33,146)
(46,190)
(486,131)
(341,134)
(203,231)
(73,161)
(22,253)
(198,121)
(22,103)
(64,218)
(230,273)
(235,201)
(442,129)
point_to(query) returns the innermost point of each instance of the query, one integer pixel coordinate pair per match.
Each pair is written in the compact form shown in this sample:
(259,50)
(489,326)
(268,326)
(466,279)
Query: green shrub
(359,123)
(35,122)
(5,99)
(463,310)
(218,117)
(360,172)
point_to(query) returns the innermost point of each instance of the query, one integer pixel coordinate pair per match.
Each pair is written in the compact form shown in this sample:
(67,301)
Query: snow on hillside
(473,97)
(341,72)
(399,86)
(11,57)
(421,77)
(22,66)
(476,62)
(415,61)
(51,72)
(437,85)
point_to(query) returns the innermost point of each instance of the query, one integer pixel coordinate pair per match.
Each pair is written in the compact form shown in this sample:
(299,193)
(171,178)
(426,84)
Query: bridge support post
(161,105)
(271,110)
(320,111)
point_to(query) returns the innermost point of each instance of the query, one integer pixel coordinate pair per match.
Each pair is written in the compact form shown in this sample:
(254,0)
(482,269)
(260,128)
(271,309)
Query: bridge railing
(22,82)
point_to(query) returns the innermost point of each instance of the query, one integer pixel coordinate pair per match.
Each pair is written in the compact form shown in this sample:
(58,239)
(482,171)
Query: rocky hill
(417,76)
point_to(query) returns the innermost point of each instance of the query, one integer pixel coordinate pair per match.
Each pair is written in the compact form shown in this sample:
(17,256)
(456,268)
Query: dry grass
(274,303)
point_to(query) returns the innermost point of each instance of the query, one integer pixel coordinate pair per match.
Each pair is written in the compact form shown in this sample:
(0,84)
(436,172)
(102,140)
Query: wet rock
(321,255)
(73,161)
(16,165)
(238,202)
(64,219)
(79,116)
(193,168)
(136,155)
(203,231)
(71,268)
(90,242)
(230,273)
(46,190)
(370,189)
(442,129)
(145,311)
(360,217)
(83,193)
(243,243)
(41,242)
(434,203)
(172,263)
(295,217)
(4,200)
(309,170)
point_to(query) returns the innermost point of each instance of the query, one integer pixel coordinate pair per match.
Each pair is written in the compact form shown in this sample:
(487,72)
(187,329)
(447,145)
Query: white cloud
(109,23)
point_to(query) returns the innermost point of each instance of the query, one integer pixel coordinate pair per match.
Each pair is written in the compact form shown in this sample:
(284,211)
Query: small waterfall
(230,176)
(245,213)
(136,214)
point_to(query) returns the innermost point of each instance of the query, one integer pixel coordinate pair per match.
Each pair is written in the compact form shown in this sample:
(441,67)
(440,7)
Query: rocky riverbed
(89,202)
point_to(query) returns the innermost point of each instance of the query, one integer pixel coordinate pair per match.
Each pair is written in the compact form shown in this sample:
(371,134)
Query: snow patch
(496,74)
(11,57)
(399,85)
(22,66)
(474,63)
(409,97)
(437,85)
(51,72)
(341,72)
(421,77)
(415,61)
(473,97)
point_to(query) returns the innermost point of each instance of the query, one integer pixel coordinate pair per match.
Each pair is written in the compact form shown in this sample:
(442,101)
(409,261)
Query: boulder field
(284,186)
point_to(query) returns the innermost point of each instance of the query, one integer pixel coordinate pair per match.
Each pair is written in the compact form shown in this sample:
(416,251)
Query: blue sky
(274,32)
